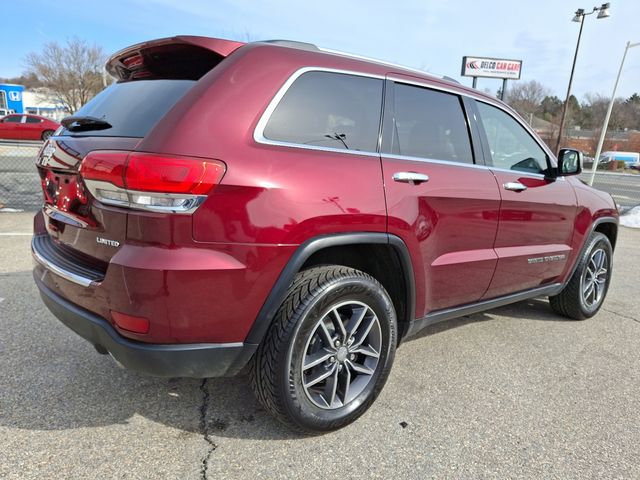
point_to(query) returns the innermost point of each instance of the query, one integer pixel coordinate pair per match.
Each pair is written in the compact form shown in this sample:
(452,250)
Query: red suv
(301,211)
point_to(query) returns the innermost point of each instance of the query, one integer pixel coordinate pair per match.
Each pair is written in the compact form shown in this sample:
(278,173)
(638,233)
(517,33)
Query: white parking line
(15,234)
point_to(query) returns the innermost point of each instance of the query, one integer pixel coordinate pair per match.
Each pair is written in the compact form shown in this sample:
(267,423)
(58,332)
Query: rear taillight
(150,181)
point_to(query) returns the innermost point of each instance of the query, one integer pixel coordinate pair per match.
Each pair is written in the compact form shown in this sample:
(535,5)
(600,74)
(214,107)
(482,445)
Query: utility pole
(605,124)
(580,14)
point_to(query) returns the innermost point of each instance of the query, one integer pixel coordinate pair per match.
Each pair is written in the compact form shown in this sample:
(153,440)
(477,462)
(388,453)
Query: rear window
(132,108)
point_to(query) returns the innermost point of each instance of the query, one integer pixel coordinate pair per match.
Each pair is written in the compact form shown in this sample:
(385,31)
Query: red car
(22,126)
(301,211)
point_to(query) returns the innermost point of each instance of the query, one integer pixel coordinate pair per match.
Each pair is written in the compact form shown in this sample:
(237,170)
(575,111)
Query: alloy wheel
(594,279)
(341,354)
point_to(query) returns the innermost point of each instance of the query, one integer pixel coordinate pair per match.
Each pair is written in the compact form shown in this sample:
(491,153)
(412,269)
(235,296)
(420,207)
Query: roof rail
(311,46)
(291,43)
(449,79)
(382,62)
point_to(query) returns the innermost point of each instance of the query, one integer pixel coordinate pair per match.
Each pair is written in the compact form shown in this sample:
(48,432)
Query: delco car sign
(491,67)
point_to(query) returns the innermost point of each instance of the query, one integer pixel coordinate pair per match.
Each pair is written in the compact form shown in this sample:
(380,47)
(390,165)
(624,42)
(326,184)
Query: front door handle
(410,177)
(514,186)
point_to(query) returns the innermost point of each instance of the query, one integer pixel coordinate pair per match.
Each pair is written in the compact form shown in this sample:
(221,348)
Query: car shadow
(51,379)
(58,382)
(533,309)
(91,391)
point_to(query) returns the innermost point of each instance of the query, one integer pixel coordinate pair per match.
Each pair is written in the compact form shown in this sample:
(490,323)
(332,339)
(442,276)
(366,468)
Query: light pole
(603,12)
(605,124)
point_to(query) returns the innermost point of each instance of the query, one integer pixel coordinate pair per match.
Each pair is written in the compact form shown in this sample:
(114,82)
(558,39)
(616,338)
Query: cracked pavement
(512,393)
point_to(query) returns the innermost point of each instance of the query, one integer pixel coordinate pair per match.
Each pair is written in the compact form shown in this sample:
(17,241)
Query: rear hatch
(88,167)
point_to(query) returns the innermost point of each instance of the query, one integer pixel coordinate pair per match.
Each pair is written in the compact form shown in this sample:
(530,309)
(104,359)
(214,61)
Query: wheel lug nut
(340,367)
(352,356)
(337,344)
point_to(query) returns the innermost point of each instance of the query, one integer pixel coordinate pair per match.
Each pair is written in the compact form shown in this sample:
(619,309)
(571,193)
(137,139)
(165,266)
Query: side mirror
(569,162)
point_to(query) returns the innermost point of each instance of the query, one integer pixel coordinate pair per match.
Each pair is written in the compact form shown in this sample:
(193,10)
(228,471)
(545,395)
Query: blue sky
(419,33)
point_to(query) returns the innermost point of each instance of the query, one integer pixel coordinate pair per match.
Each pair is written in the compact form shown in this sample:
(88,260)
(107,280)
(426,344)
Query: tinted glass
(133,108)
(13,118)
(430,124)
(33,120)
(512,147)
(329,110)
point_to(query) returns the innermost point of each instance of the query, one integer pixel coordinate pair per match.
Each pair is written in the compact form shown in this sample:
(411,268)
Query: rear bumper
(197,360)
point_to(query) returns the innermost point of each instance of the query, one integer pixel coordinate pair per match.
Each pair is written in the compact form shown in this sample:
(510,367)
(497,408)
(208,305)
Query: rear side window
(13,119)
(331,110)
(430,124)
(512,147)
(33,120)
(133,108)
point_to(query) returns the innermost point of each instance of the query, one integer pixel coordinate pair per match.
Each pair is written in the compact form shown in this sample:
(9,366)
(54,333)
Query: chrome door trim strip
(61,272)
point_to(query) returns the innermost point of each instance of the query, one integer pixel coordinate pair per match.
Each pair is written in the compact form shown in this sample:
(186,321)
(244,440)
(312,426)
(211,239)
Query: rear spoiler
(180,57)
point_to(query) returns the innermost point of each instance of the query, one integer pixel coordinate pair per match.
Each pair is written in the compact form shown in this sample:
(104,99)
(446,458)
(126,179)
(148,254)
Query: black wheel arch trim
(313,245)
(592,228)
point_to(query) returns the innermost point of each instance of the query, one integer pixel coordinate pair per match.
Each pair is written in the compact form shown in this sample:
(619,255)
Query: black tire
(277,369)
(571,302)
(46,134)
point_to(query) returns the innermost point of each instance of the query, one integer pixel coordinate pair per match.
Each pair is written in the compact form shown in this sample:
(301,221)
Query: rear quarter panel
(269,194)
(270,200)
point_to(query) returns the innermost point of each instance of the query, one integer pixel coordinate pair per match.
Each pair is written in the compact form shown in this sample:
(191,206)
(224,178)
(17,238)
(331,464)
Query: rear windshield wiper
(81,124)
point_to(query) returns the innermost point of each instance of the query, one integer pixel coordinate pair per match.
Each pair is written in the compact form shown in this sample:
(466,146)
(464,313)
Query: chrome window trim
(265,141)
(258,133)
(397,77)
(468,126)
(467,165)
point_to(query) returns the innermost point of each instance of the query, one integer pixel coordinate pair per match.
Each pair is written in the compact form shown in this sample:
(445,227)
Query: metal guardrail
(19,181)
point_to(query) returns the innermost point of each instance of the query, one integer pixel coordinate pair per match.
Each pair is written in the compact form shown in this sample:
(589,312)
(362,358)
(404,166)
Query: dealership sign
(491,67)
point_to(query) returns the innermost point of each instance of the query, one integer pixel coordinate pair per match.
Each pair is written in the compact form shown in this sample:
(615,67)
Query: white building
(41,102)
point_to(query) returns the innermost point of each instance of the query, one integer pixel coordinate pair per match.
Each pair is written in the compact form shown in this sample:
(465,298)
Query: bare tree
(526,97)
(72,72)
(595,108)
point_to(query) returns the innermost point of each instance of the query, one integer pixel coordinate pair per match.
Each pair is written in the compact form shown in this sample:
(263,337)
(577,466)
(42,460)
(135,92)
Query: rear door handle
(410,177)
(514,186)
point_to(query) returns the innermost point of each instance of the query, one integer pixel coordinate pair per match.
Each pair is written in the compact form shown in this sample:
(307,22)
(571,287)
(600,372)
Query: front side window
(430,124)
(333,110)
(13,119)
(512,147)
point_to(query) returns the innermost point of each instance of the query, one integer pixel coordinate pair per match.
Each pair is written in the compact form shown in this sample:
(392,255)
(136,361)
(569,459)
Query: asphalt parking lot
(623,187)
(513,393)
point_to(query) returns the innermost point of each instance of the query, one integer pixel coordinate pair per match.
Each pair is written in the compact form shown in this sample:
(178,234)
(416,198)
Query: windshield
(131,108)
